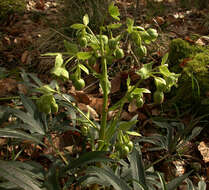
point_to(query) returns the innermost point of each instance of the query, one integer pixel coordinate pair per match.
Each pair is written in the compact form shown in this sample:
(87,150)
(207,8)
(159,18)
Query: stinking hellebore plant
(103,49)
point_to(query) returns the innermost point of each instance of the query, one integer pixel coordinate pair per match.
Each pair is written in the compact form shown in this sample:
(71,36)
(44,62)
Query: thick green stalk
(104,81)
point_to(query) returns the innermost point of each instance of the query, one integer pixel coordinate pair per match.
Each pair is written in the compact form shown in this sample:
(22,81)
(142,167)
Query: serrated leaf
(17,176)
(114,26)
(133,133)
(84,68)
(86,19)
(108,175)
(14,133)
(71,47)
(145,71)
(78,26)
(58,60)
(114,11)
(84,55)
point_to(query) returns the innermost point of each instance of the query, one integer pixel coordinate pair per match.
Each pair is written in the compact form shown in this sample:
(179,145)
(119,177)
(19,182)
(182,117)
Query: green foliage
(175,138)
(178,50)
(131,175)
(11,6)
(192,61)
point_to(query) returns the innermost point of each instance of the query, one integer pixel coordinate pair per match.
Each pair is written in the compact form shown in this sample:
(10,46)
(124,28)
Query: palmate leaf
(28,104)
(10,172)
(13,133)
(106,174)
(34,126)
(145,71)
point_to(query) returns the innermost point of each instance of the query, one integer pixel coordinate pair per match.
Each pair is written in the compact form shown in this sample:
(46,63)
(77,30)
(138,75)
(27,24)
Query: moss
(11,6)
(194,81)
(178,50)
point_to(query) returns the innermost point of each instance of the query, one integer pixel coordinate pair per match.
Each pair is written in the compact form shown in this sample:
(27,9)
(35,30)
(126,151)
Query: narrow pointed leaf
(28,104)
(58,60)
(177,181)
(11,133)
(90,157)
(84,55)
(137,169)
(109,176)
(77,26)
(17,176)
(84,68)
(33,125)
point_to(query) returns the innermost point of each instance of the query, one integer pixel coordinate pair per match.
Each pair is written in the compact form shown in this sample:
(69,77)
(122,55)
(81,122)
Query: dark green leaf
(137,169)
(13,133)
(17,176)
(28,104)
(70,47)
(177,181)
(89,157)
(108,175)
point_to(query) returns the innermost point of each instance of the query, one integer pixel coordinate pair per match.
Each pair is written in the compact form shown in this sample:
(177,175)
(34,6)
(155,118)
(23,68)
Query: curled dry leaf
(204,151)
(24,56)
(132,107)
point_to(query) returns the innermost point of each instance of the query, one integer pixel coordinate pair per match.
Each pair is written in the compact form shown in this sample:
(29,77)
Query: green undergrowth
(192,61)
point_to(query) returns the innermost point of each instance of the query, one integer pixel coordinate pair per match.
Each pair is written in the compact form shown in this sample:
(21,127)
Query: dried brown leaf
(204,151)
(115,84)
